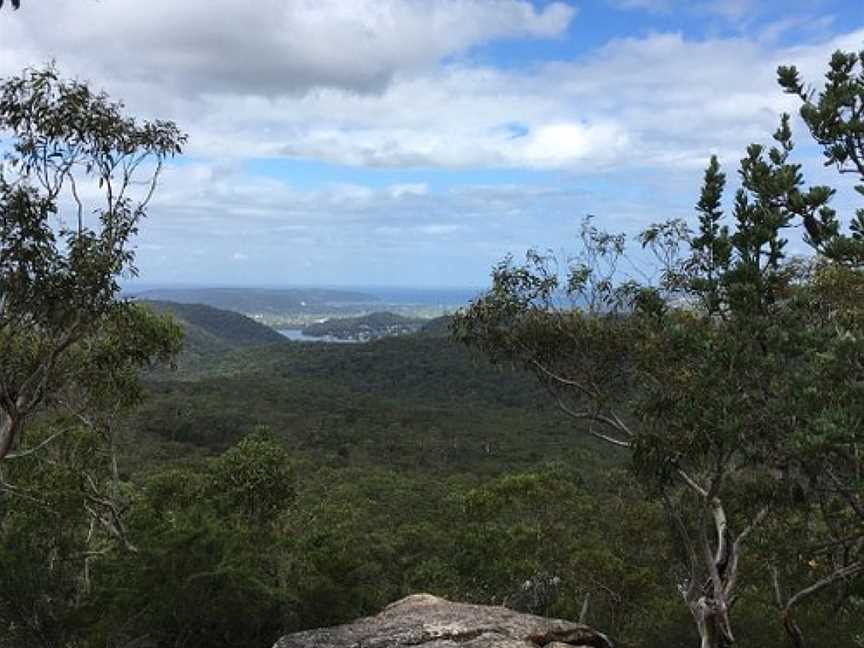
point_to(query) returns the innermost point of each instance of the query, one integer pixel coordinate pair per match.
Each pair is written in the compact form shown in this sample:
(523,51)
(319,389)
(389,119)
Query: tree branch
(598,418)
(29,451)
(845,572)
(690,481)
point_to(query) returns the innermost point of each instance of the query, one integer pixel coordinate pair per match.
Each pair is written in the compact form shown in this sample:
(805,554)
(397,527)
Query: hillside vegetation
(209,330)
(408,401)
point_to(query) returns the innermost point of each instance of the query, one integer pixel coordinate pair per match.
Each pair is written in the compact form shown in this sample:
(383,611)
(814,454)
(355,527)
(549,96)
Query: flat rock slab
(432,622)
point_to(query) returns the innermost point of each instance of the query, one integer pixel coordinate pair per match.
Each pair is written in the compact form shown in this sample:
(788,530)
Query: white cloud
(272,48)
(660,101)
(655,102)
(812,26)
(442,229)
(411,189)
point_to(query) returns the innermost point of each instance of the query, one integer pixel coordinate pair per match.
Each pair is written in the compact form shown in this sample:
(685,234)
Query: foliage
(71,349)
(517,544)
(341,534)
(834,118)
(47,542)
(59,272)
(418,403)
(255,477)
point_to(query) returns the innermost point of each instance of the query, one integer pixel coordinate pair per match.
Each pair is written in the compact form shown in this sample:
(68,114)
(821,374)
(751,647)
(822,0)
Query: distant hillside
(260,300)
(366,327)
(211,330)
(438,327)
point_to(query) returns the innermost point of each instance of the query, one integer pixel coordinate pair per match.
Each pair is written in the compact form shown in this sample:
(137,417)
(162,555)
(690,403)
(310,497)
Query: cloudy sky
(415,142)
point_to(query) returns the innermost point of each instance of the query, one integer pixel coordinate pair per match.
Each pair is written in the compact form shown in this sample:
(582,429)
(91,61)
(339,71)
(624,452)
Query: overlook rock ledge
(432,622)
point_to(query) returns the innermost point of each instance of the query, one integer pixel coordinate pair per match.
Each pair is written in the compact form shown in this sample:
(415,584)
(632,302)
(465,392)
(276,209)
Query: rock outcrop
(431,622)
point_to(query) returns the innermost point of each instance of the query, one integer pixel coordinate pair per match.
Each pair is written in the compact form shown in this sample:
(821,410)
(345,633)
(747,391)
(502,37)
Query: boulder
(431,622)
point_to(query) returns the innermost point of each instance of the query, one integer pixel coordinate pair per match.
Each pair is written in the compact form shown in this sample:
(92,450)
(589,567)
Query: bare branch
(732,568)
(588,416)
(153,183)
(696,488)
(80,207)
(30,451)
(754,523)
(567,382)
(840,574)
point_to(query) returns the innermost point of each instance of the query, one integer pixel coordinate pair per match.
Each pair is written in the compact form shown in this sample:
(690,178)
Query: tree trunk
(796,637)
(710,623)
(714,577)
(9,427)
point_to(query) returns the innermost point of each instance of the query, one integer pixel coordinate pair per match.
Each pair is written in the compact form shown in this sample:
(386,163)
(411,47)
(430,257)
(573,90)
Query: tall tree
(61,255)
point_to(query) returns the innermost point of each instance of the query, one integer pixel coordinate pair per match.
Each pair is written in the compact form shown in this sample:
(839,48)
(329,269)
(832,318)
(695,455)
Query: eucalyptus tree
(726,381)
(76,178)
(77,175)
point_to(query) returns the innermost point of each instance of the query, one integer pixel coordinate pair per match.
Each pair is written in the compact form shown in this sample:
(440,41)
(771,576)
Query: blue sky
(416,142)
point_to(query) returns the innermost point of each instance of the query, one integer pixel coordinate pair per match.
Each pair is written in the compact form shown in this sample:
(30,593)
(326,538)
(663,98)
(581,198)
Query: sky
(417,142)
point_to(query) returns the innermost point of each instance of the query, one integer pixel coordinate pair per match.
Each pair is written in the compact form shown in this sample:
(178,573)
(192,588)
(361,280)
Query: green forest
(676,462)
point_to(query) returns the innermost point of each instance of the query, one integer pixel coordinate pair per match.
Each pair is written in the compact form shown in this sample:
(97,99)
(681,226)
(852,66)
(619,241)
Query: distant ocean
(421,296)
(392,295)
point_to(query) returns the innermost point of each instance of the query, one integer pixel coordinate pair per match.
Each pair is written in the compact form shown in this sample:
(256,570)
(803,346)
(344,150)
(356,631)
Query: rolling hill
(210,330)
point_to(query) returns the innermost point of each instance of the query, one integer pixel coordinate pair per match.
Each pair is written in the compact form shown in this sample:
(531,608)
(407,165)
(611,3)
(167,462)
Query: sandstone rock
(432,622)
